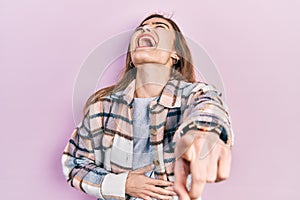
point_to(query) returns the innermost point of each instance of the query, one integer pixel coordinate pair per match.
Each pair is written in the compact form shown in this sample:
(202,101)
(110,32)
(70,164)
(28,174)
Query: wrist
(205,127)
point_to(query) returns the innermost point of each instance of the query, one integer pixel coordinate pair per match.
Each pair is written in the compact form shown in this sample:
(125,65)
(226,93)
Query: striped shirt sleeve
(206,108)
(81,170)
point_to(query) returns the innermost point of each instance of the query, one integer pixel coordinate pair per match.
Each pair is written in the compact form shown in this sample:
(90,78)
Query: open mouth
(146,40)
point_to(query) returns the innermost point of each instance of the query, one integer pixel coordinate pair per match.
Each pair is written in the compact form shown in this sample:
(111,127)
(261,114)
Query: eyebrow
(159,23)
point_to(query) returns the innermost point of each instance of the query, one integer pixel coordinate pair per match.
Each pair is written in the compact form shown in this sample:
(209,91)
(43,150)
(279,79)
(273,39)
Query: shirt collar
(170,96)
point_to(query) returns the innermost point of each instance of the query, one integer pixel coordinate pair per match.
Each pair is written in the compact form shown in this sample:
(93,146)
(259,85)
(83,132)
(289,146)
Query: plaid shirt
(99,154)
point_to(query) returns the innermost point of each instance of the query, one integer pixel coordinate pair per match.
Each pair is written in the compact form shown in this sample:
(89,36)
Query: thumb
(145,169)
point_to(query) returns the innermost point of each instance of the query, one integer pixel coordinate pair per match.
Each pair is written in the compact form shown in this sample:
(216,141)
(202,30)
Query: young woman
(156,134)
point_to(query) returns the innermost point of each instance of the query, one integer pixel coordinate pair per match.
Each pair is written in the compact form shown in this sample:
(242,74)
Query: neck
(151,79)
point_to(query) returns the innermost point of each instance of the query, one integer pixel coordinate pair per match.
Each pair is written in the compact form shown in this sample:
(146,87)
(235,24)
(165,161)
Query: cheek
(133,41)
(166,42)
(166,46)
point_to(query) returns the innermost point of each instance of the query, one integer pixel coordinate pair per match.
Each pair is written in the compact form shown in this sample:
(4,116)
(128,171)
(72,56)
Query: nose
(146,28)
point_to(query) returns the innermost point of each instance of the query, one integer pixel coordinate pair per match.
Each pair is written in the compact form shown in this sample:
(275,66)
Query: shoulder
(197,87)
(98,106)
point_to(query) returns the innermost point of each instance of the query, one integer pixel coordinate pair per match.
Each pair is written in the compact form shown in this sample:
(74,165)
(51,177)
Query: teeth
(146,41)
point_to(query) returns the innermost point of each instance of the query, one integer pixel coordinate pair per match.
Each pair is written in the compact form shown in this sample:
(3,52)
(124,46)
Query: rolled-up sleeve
(207,110)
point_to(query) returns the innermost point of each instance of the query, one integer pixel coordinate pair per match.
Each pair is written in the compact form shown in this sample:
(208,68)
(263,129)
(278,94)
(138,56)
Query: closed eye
(139,28)
(160,26)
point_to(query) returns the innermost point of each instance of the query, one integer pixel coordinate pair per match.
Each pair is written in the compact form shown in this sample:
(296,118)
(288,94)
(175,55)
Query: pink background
(255,45)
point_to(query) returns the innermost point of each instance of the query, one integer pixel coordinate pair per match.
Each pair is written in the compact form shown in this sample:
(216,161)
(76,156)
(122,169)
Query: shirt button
(156,162)
(153,132)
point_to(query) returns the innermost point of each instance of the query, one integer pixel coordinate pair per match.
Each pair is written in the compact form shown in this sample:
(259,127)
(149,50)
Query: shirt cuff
(113,185)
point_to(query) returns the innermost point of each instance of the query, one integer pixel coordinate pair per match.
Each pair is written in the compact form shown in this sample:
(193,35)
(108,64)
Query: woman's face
(153,42)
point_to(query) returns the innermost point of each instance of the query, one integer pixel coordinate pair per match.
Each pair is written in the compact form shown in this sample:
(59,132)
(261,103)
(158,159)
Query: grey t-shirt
(143,152)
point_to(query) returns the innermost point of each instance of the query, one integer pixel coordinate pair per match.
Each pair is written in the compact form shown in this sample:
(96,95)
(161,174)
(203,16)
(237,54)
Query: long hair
(184,66)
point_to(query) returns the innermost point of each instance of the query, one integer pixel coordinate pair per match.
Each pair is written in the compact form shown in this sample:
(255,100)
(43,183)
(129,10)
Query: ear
(174,55)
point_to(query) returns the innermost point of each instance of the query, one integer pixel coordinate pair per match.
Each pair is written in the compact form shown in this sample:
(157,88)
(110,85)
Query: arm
(206,111)
(204,141)
(80,168)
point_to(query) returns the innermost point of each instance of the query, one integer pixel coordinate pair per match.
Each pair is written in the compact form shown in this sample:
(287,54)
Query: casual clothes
(99,154)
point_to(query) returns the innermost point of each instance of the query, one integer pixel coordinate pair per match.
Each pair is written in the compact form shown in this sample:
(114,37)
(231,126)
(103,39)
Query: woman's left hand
(205,157)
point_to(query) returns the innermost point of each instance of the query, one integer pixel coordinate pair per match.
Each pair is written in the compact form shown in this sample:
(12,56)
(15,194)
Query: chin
(146,56)
(142,57)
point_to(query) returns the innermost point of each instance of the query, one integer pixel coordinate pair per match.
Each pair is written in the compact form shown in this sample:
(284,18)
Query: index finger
(198,168)
(180,175)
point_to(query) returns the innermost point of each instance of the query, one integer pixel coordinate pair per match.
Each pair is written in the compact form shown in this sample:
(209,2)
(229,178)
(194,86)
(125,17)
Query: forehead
(157,19)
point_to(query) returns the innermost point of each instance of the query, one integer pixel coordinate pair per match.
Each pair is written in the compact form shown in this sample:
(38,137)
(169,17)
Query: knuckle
(211,180)
(199,178)
(223,177)
(195,195)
